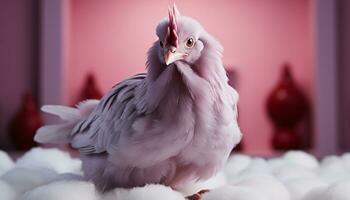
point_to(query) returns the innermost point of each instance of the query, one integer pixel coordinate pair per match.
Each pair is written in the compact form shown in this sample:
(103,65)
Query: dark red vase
(286,106)
(25,123)
(90,89)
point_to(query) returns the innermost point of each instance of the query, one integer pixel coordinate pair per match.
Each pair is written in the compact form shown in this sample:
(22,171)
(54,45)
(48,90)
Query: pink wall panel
(111,38)
(18,58)
(344,70)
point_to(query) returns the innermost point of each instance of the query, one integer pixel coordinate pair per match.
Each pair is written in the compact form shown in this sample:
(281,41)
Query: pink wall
(111,38)
(18,57)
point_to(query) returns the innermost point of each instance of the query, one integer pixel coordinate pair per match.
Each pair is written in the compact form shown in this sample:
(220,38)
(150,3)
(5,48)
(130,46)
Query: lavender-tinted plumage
(177,123)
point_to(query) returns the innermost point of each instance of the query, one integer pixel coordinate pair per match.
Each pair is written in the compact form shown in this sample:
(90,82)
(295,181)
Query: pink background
(111,39)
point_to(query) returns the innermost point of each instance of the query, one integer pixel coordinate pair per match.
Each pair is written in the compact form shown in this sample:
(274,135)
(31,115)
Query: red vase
(90,89)
(25,123)
(286,106)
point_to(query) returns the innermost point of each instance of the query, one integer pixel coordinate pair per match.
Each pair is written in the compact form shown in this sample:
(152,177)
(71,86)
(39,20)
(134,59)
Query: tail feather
(61,133)
(57,133)
(64,112)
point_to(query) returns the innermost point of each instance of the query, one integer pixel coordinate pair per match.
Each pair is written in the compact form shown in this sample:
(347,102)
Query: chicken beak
(171,56)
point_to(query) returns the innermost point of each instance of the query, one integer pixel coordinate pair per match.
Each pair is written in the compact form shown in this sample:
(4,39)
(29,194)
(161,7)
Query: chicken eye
(161,44)
(190,43)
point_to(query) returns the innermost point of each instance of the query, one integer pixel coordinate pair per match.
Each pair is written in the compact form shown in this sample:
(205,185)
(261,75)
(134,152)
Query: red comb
(171,36)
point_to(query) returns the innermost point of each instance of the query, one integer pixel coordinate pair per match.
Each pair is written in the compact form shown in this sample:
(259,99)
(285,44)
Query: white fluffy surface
(154,192)
(63,190)
(266,185)
(51,174)
(54,159)
(7,191)
(230,192)
(193,187)
(25,179)
(6,163)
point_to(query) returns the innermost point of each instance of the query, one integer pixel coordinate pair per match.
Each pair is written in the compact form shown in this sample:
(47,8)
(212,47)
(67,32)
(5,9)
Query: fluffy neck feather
(208,67)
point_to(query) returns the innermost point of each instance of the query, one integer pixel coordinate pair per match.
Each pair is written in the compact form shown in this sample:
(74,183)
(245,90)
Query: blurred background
(288,59)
